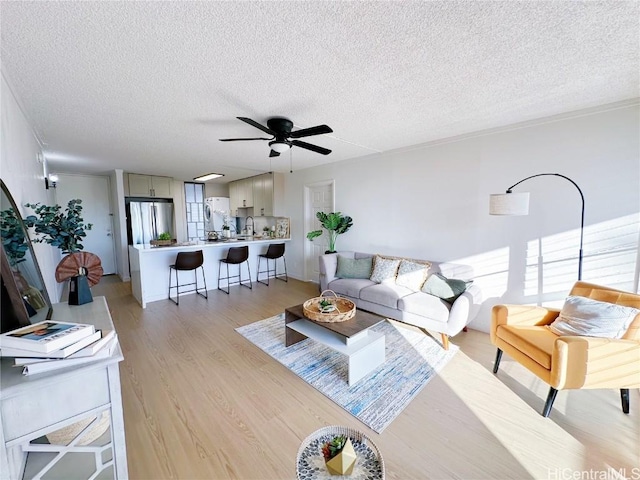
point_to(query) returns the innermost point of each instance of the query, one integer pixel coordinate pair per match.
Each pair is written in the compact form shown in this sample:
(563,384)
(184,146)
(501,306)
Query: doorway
(319,197)
(94,191)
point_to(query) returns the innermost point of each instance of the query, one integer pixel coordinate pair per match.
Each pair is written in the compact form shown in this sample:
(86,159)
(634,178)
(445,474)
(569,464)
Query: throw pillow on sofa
(384,269)
(448,289)
(412,274)
(354,267)
(592,318)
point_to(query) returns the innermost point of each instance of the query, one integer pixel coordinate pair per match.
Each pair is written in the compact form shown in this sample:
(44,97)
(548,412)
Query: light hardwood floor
(201,402)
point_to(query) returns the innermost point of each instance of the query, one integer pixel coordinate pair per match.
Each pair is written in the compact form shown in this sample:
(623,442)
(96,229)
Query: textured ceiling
(150,87)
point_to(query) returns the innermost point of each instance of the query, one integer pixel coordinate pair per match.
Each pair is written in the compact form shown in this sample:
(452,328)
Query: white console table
(35,405)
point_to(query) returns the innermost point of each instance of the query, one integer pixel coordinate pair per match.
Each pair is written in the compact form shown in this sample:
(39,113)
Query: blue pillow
(353,267)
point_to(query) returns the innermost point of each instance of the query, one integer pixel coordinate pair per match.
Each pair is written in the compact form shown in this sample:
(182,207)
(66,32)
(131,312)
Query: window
(194,203)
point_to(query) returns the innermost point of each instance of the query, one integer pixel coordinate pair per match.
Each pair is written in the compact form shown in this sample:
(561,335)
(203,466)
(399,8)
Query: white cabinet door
(139,185)
(161,187)
(149,186)
(234,198)
(247,192)
(263,195)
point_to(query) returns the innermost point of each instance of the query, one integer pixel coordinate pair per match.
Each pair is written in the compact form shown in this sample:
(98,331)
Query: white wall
(120,224)
(216,190)
(23,175)
(432,203)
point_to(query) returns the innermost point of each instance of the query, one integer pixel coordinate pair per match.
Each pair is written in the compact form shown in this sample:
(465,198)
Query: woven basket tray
(345,309)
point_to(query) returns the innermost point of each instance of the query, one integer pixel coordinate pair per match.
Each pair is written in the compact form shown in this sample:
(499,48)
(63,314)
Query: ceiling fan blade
(274,154)
(313,148)
(257,125)
(238,139)
(307,132)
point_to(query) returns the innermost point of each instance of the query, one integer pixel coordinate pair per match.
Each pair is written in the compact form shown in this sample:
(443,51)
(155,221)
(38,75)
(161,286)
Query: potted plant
(326,306)
(66,230)
(13,239)
(335,223)
(339,455)
(163,239)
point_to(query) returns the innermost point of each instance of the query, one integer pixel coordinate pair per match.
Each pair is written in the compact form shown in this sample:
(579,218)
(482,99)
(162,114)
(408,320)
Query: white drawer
(38,408)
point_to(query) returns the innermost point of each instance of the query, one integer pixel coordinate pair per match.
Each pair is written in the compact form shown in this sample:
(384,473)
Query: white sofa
(400,303)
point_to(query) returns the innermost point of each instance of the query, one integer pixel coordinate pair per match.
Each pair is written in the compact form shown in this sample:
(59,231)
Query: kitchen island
(150,265)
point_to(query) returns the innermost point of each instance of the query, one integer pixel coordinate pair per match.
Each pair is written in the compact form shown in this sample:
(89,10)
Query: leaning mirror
(24,296)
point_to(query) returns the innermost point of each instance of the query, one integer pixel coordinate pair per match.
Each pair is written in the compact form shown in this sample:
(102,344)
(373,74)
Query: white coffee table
(363,347)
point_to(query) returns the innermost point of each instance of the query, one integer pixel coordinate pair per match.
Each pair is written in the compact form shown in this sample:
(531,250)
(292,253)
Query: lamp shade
(279,147)
(509,204)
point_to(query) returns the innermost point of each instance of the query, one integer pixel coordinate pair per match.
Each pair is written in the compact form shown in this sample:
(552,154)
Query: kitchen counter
(150,265)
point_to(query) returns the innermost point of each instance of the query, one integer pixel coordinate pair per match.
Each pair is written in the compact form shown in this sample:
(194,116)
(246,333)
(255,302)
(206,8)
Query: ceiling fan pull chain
(290,161)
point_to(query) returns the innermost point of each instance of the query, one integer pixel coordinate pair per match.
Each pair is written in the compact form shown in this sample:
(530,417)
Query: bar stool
(235,256)
(274,252)
(188,261)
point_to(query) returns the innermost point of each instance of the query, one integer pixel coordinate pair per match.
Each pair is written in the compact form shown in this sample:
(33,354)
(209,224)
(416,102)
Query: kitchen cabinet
(268,194)
(241,196)
(246,192)
(234,199)
(263,193)
(149,186)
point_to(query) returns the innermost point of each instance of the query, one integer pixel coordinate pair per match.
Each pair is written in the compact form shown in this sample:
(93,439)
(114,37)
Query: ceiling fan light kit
(280,129)
(279,147)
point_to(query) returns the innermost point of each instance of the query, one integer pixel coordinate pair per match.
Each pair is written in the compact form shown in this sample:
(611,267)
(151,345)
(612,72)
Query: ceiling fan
(281,140)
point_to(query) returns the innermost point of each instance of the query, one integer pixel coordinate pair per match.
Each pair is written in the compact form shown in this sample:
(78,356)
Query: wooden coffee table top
(361,321)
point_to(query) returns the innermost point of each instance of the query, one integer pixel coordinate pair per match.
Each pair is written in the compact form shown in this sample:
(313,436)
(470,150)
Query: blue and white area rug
(412,359)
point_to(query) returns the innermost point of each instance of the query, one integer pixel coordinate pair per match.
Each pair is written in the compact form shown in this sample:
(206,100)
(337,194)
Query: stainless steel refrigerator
(148,219)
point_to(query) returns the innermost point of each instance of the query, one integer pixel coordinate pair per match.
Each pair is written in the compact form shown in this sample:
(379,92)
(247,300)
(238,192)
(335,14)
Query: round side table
(310,462)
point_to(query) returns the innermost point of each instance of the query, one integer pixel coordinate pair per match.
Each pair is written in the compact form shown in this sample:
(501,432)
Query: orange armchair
(570,362)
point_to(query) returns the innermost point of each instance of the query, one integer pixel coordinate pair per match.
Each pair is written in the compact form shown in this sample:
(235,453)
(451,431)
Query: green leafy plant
(13,239)
(64,230)
(334,447)
(325,303)
(164,236)
(335,223)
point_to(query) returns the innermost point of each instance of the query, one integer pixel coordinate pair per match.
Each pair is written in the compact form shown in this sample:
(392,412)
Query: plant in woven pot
(339,455)
(66,230)
(335,224)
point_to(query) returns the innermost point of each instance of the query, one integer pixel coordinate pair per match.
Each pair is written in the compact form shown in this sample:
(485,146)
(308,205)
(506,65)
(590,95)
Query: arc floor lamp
(510,203)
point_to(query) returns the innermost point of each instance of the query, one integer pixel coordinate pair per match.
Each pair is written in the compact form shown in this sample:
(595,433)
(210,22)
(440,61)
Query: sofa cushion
(445,288)
(350,287)
(384,269)
(412,274)
(354,267)
(592,318)
(426,306)
(537,342)
(386,294)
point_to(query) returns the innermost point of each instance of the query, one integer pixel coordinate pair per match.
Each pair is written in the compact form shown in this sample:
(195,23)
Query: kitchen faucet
(246,225)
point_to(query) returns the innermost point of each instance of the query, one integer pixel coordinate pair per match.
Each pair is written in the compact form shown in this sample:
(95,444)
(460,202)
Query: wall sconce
(50,181)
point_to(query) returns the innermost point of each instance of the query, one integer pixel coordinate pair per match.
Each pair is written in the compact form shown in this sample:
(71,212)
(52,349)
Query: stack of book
(51,345)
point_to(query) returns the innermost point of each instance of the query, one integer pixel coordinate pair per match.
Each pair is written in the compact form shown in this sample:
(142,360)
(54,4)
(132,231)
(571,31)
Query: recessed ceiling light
(208,176)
